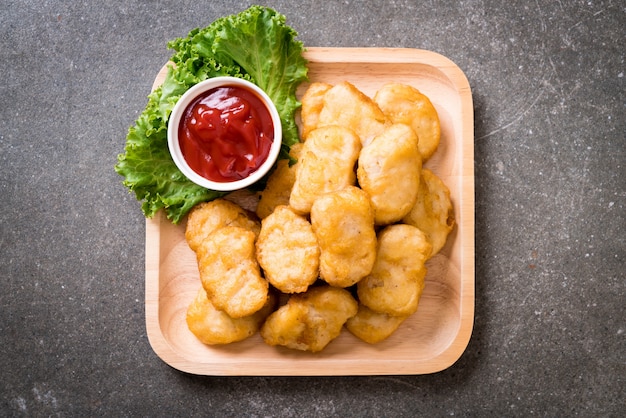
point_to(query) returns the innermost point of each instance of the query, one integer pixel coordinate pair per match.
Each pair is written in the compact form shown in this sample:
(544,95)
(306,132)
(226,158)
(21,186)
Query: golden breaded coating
(433,212)
(397,280)
(347,106)
(287,251)
(212,326)
(279,184)
(312,103)
(373,327)
(402,103)
(310,320)
(343,223)
(230,273)
(326,164)
(207,217)
(389,171)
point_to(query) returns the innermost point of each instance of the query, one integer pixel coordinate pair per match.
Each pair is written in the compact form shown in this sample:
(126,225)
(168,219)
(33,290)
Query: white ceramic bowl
(176,117)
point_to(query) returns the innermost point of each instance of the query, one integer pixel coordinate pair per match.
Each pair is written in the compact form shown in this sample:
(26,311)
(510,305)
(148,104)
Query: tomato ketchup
(226,133)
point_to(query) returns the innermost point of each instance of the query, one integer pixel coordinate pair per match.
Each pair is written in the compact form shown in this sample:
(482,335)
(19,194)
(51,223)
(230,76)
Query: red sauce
(226,133)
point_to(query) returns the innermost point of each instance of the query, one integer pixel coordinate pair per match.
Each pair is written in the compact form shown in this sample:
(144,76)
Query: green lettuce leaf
(256,45)
(271,58)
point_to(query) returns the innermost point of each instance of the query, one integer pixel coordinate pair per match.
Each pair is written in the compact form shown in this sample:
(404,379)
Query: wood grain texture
(429,341)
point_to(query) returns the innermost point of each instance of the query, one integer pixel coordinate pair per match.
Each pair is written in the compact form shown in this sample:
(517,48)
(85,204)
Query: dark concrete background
(548,87)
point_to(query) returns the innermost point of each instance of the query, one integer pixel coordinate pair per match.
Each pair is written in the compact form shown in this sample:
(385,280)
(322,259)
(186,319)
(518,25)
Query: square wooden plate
(429,341)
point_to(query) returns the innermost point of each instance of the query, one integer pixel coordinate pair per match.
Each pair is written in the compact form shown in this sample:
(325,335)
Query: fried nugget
(230,273)
(312,103)
(207,217)
(279,184)
(343,223)
(433,212)
(389,171)
(373,327)
(397,280)
(402,103)
(347,106)
(326,164)
(310,320)
(287,251)
(212,326)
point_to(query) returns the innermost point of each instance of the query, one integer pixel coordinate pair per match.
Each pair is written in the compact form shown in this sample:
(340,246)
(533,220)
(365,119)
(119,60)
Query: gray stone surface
(548,87)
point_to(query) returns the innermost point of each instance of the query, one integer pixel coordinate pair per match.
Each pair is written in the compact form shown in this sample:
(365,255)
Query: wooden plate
(429,341)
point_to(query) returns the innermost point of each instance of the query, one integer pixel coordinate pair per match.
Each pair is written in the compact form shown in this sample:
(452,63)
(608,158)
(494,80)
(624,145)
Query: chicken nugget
(326,164)
(389,171)
(433,212)
(287,251)
(397,280)
(347,106)
(343,223)
(373,327)
(230,273)
(312,103)
(207,217)
(310,320)
(279,184)
(402,103)
(212,326)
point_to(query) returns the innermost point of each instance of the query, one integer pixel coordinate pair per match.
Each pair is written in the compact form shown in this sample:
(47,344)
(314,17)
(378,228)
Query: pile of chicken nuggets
(339,238)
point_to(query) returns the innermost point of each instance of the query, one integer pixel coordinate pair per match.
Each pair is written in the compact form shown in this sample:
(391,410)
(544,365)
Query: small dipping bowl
(178,116)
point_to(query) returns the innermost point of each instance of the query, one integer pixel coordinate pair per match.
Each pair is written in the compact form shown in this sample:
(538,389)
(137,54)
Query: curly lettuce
(256,45)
